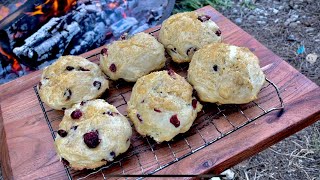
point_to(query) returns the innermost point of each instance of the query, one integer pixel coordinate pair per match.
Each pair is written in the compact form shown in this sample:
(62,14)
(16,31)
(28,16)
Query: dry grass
(297,157)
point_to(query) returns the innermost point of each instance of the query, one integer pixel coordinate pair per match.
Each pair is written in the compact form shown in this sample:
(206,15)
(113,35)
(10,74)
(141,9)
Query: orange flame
(15,64)
(113,5)
(54,8)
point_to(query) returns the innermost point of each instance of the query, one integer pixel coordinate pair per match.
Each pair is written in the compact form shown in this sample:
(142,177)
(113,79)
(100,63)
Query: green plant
(191,5)
(248,4)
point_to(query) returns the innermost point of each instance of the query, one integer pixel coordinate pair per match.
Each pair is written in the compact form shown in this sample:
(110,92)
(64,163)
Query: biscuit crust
(161,105)
(225,74)
(114,132)
(132,58)
(182,34)
(70,80)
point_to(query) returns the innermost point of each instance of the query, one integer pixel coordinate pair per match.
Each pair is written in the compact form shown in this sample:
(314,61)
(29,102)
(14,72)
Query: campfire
(35,33)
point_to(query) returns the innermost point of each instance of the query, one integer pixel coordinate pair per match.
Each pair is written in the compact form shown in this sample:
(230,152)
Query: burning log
(41,45)
(80,27)
(96,36)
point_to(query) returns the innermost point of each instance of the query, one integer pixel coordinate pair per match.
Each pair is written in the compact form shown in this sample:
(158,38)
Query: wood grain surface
(27,149)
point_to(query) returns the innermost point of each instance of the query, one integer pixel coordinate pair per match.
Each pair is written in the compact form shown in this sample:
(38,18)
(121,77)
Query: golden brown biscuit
(184,33)
(91,134)
(161,105)
(225,74)
(69,80)
(132,58)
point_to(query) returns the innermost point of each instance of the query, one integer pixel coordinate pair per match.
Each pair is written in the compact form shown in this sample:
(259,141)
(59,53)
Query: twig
(291,155)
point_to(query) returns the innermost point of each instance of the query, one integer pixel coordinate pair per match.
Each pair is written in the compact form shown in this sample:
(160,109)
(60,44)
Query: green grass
(248,4)
(191,5)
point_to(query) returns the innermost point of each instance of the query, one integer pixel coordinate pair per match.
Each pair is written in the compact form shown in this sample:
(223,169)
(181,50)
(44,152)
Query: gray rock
(310,29)
(251,17)
(292,18)
(259,11)
(238,20)
(275,11)
(291,37)
(294,24)
(235,11)
(262,17)
(262,22)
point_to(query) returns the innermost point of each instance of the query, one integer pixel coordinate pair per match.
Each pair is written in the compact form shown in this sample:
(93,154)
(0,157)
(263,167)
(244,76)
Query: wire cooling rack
(145,156)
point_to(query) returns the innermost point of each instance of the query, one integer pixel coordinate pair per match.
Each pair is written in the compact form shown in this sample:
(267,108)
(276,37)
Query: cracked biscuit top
(184,33)
(225,74)
(70,80)
(131,58)
(91,134)
(161,105)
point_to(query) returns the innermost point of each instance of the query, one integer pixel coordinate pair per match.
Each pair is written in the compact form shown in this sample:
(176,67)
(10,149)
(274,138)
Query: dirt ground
(284,26)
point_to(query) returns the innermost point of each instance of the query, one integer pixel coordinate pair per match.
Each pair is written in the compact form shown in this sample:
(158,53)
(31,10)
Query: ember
(40,31)
(52,8)
(15,65)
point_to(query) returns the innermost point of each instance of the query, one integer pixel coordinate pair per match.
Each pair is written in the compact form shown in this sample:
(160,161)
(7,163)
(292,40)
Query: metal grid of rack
(146,157)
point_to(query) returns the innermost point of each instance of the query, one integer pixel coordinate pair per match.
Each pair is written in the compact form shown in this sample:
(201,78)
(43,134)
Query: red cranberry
(139,117)
(172,73)
(39,85)
(109,113)
(157,110)
(69,68)
(124,36)
(112,154)
(65,162)
(113,68)
(218,32)
(194,103)
(215,67)
(91,139)
(76,114)
(191,51)
(62,133)
(174,50)
(97,84)
(104,51)
(204,18)
(83,69)
(82,103)
(67,94)
(175,121)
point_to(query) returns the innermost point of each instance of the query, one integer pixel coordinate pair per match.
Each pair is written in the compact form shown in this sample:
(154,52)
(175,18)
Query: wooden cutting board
(27,149)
